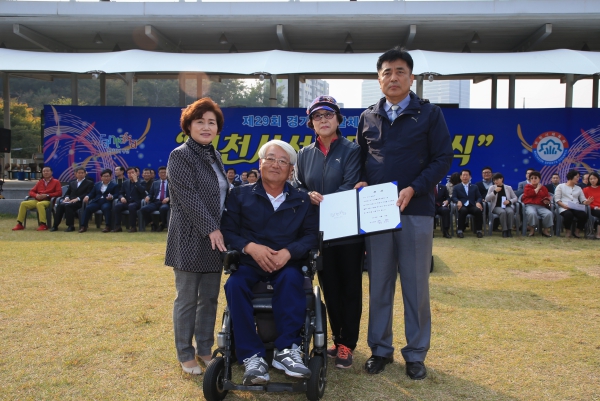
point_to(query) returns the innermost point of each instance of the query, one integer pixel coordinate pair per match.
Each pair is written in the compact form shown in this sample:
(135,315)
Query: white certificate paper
(576,206)
(378,210)
(338,215)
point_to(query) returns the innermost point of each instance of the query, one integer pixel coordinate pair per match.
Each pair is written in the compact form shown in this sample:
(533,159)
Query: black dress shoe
(504,234)
(479,234)
(116,230)
(53,229)
(70,229)
(416,370)
(460,235)
(509,233)
(447,234)
(376,364)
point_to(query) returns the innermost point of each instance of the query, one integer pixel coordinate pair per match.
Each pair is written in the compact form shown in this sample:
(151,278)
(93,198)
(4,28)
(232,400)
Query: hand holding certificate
(366,210)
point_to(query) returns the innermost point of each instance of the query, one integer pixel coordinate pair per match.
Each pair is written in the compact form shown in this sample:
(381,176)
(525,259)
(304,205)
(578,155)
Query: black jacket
(442,195)
(80,192)
(415,150)
(133,192)
(249,217)
(336,172)
(459,194)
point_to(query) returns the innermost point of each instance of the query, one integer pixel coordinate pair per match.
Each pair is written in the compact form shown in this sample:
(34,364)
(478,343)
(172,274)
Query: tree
(26,129)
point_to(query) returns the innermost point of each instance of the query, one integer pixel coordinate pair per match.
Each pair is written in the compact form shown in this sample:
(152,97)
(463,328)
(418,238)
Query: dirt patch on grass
(541,275)
(591,271)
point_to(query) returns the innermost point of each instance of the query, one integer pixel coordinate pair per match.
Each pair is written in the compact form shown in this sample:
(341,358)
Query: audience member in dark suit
(468,201)
(100,198)
(584,181)
(522,184)
(231,178)
(148,179)
(486,182)
(119,178)
(442,208)
(553,184)
(130,198)
(158,199)
(72,201)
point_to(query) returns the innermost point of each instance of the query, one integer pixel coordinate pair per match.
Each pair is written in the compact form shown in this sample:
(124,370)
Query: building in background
(438,92)
(308,90)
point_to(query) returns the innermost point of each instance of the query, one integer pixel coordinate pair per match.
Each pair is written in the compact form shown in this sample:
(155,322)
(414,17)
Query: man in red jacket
(46,189)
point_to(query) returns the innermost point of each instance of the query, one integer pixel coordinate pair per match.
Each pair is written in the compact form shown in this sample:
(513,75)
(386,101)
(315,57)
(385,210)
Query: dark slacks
(341,281)
(568,216)
(289,304)
(477,214)
(596,214)
(444,213)
(407,252)
(150,208)
(133,207)
(68,210)
(90,209)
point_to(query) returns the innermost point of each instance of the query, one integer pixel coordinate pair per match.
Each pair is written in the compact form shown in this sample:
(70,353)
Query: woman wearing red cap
(332,164)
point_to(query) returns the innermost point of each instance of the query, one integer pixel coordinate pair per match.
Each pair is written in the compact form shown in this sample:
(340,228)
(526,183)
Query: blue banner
(509,141)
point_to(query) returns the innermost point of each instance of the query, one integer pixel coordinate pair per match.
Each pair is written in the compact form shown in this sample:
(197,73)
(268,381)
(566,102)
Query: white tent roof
(282,62)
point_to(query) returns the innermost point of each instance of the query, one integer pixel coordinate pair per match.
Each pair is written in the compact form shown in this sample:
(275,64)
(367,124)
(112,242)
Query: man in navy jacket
(468,201)
(403,139)
(130,198)
(100,198)
(273,225)
(158,199)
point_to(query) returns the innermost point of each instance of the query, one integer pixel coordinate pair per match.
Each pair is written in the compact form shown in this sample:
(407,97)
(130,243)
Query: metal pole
(293,90)
(102,89)
(6,99)
(511,91)
(569,81)
(181,90)
(273,91)
(595,91)
(420,86)
(129,91)
(198,86)
(494,91)
(74,92)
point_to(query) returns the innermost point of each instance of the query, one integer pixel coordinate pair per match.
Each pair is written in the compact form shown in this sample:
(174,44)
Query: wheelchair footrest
(297,387)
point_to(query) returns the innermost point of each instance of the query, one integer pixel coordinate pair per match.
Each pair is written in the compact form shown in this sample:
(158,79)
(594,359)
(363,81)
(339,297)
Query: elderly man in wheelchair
(273,226)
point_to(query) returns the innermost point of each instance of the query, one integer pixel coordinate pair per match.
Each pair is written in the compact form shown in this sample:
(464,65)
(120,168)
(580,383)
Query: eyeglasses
(280,162)
(319,117)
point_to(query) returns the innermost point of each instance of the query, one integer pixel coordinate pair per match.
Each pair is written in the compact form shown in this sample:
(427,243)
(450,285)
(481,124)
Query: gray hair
(262,152)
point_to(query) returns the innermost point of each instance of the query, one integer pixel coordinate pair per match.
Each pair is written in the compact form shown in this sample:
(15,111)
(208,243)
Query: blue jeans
(289,305)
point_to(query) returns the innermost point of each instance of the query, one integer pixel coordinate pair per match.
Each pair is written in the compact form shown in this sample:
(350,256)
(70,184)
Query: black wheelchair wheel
(212,384)
(316,384)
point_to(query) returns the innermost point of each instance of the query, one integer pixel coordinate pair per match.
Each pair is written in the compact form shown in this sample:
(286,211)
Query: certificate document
(366,210)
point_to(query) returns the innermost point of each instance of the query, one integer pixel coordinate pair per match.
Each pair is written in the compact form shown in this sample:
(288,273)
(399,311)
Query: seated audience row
(82,192)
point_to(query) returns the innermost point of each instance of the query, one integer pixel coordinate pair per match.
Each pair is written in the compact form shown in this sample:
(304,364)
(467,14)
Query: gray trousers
(535,212)
(407,252)
(506,216)
(195,312)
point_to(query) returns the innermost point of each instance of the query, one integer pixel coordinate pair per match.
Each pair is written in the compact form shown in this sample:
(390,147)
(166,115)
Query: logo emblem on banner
(550,148)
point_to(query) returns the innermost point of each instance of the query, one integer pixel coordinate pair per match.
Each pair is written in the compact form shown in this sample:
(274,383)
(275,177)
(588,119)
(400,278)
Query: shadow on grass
(490,299)
(440,268)
(355,384)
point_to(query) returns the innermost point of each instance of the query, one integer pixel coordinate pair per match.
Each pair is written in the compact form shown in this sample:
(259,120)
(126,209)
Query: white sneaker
(290,361)
(257,371)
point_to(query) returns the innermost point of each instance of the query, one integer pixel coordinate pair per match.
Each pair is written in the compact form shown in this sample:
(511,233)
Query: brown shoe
(116,230)
(106,229)
(132,230)
(82,229)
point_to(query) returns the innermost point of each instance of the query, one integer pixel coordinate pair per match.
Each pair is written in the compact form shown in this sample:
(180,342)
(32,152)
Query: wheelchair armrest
(231,261)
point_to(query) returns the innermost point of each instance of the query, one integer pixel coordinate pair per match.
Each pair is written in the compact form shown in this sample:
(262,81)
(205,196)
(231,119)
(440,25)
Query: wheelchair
(218,379)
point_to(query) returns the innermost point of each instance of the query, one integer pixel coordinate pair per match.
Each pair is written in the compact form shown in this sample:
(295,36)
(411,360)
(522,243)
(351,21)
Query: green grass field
(88,317)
